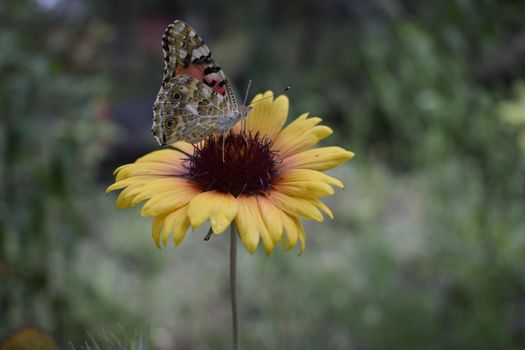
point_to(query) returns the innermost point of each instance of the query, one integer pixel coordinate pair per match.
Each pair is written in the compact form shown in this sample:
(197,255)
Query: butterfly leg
(183,152)
(223,142)
(243,130)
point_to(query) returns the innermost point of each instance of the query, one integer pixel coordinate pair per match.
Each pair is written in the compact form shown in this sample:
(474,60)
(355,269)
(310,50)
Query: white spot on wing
(192,109)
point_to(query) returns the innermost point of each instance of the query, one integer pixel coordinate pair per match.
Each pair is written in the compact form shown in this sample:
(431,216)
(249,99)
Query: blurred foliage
(428,247)
(29,338)
(111,341)
(512,112)
(51,140)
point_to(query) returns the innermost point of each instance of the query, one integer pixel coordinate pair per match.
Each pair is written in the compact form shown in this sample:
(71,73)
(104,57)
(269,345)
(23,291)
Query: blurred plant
(107,340)
(430,249)
(512,112)
(52,136)
(29,338)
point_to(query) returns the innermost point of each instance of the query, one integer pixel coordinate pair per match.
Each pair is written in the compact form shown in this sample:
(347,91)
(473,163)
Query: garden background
(427,249)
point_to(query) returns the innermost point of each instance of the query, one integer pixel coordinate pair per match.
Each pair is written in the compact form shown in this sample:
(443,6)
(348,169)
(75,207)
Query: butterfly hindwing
(189,110)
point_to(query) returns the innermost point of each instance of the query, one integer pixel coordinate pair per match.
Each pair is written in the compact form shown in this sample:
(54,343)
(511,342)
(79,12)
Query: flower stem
(233,286)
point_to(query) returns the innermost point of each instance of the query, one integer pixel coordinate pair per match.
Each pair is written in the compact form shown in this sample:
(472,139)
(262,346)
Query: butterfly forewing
(195,99)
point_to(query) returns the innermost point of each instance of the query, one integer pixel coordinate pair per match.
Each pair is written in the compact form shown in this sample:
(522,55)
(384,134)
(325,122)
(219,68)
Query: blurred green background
(427,250)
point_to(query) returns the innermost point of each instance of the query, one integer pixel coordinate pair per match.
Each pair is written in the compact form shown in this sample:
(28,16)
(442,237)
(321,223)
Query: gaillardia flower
(264,181)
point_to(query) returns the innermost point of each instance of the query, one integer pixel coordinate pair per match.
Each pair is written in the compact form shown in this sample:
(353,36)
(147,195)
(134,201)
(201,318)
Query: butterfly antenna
(247,91)
(264,98)
(243,121)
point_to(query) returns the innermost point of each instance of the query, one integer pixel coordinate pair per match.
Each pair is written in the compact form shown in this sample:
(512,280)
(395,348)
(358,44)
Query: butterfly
(195,99)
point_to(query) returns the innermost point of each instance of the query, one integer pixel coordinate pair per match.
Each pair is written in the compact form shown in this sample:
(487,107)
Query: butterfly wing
(186,53)
(195,99)
(189,110)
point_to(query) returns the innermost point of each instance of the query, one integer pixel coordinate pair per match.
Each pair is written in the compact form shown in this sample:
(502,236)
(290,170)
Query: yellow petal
(307,175)
(159,186)
(155,229)
(125,198)
(320,159)
(266,237)
(267,116)
(119,169)
(219,207)
(149,168)
(176,222)
(322,206)
(271,218)
(304,189)
(130,181)
(169,200)
(166,155)
(302,235)
(291,230)
(295,206)
(184,146)
(306,183)
(247,222)
(301,134)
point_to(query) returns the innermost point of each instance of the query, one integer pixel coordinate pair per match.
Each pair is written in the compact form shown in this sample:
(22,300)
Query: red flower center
(246,165)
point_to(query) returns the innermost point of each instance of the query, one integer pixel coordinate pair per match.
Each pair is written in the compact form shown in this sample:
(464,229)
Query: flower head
(264,181)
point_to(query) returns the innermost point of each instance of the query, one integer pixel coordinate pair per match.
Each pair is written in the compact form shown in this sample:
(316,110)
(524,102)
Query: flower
(264,180)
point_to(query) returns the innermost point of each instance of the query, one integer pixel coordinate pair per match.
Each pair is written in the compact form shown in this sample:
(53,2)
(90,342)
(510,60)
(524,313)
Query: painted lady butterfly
(195,99)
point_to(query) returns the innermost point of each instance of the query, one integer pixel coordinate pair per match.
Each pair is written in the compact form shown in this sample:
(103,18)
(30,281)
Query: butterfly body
(195,99)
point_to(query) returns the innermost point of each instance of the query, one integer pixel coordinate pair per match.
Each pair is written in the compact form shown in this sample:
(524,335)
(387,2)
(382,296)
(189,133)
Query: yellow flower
(269,179)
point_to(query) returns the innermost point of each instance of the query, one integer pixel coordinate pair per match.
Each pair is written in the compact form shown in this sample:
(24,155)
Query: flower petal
(291,230)
(322,206)
(170,200)
(184,146)
(307,175)
(320,159)
(131,181)
(251,225)
(266,238)
(270,215)
(178,223)
(304,189)
(299,135)
(149,168)
(166,155)
(302,235)
(156,226)
(267,116)
(125,198)
(306,183)
(295,206)
(219,207)
(246,221)
(161,186)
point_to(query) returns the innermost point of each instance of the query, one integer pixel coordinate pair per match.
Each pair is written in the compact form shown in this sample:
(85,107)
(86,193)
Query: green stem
(233,286)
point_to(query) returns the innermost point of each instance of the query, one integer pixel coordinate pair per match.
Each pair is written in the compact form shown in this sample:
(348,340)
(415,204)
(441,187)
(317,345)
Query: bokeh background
(427,250)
